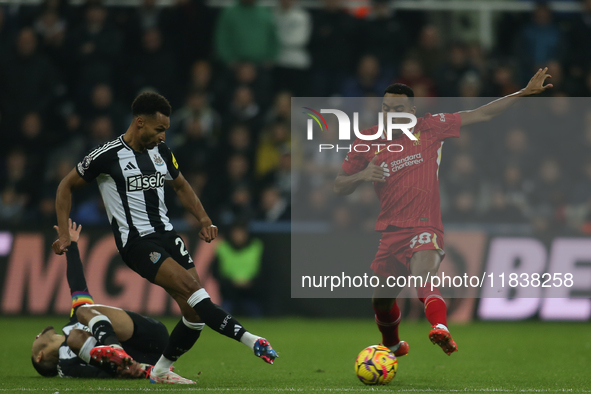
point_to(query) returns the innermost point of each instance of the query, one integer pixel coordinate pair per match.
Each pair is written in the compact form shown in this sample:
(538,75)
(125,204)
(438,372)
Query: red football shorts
(397,247)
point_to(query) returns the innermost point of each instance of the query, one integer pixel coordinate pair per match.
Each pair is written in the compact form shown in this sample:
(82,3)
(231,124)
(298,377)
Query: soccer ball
(376,365)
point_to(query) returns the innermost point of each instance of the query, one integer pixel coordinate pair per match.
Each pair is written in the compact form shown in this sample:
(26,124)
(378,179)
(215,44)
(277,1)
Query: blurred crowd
(68,76)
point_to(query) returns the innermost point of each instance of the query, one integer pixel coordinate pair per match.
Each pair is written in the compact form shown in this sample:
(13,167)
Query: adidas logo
(237,328)
(130,166)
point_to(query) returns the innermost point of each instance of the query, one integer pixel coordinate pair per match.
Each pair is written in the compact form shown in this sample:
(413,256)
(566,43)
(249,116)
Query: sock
(182,338)
(215,317)
(249,339)
(388,322)
(103,331)
(435,308)
(84,353)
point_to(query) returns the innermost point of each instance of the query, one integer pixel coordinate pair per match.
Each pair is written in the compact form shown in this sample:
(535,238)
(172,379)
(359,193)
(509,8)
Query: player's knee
(186,285)
(383,304)
(85,313)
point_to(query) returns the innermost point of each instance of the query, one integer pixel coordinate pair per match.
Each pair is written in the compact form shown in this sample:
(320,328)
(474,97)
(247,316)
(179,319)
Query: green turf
(317,355)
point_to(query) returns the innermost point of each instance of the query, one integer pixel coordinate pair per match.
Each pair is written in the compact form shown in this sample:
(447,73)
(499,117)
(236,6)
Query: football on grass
(376,365)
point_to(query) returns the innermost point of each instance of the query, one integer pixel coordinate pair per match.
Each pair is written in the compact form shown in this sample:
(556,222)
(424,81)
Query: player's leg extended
(186,288)
(387,315)
(425,263)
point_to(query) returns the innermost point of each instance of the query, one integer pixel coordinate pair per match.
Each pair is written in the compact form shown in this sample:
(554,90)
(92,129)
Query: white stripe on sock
(96,319)
(193,326)
(197,297)
(249,339)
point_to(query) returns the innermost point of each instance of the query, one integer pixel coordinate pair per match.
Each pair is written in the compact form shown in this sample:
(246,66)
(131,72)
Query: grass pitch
(318,355)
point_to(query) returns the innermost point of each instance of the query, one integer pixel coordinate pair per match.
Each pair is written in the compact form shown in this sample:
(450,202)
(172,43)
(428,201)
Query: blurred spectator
(385,37)
(94,49)
(238,264)
(4,32)
(369,80)
(503,82)
(501,211)
(579,41)
(428,52)
(196,108)
(281,109)
(463,208)
(281,178)
(245,74)
(17,179)
(101,131)
(102,103)
(28,81)
(239,207)
(34,140)
(275,139)
(516,189)
(244,109)
(294,26)
(238,141)
(549,195)
(470,85)
(540,41)
(411,74)
(11,206)
(51,29)
(450,75)
(273,207)
(333,46)
(246,31)
(154,66)
(193,151)
(149,15)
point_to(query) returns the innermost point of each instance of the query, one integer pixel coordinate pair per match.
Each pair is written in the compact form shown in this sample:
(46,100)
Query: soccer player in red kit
(406,182)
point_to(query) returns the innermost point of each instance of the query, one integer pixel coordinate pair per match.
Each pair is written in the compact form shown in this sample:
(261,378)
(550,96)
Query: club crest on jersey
(84,164)
(154,257)
(158,160)
(418,141)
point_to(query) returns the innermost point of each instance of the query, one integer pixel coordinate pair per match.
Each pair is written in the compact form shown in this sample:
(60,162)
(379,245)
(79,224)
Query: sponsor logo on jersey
(406,162)
(84,164)
(158,160)
(154,257)
(145,182)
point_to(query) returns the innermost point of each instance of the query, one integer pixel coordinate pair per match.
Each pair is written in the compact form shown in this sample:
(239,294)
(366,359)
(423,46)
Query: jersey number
(184,251)
(423,238)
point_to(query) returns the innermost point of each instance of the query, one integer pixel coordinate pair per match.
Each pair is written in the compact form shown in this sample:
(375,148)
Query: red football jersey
(410,195)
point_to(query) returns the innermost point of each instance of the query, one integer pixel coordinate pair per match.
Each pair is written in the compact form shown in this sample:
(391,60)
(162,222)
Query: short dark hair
(45,367)
(149,103)
(400,88)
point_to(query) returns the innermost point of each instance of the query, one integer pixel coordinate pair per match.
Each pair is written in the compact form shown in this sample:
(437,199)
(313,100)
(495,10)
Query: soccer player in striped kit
(131,171)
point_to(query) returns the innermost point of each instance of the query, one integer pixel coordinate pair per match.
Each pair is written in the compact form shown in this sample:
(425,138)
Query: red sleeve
(444,125)
(354,161)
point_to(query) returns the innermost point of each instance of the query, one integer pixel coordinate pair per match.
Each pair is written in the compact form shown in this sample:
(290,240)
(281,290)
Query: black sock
(215,317)
(103,331)
(182,338)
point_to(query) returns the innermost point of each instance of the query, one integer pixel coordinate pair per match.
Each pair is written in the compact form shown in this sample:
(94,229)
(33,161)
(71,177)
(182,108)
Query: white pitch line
(289,389)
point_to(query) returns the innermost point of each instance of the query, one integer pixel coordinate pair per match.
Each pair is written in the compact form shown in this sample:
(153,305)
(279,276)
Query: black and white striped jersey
(132,186)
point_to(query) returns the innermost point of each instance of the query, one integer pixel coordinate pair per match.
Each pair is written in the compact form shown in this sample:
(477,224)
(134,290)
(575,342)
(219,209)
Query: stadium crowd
(68,75)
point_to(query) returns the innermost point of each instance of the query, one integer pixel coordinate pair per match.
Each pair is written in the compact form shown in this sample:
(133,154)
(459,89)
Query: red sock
(435,308)
(388,322)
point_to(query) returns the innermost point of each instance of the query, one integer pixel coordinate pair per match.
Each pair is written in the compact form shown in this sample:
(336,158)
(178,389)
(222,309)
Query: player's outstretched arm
(494,108)
(346,184)
(192,204)
(63,205)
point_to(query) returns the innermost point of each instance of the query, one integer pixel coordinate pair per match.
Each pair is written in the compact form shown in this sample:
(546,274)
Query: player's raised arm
(496,107)
(192,204)
(346,184)
(63,205)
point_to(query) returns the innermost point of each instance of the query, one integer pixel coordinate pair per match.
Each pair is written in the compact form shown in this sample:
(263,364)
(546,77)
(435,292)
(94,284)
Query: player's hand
(60,246)
(208,232)
(72,229)
(374,173)
(133,371)
(536,83)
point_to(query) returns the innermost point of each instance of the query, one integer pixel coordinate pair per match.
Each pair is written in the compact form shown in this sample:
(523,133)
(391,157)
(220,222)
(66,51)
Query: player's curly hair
(149,103)
(45,368)
(400,88)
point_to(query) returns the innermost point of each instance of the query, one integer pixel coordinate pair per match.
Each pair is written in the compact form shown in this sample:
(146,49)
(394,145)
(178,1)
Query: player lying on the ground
(129,351)
(131,171)
(407,185)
